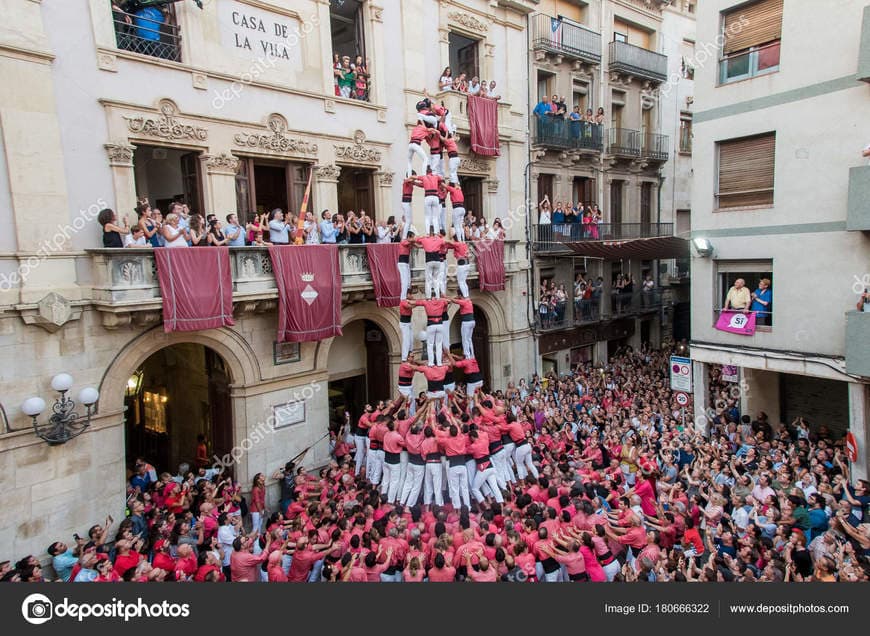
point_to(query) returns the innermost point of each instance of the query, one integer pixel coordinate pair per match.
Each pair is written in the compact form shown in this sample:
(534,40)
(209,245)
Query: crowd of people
(594,475)
(352,79)
(625,296)
(556,121)
(474,86)
(568,221)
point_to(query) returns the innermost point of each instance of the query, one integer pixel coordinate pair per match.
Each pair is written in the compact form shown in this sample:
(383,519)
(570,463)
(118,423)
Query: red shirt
(465,306)
(435,308)
(124,562)
(244,566)
(431,244)
(393,442)
(456,196)
(435,374)
(405,247)
(445,575)
(453,446)
(414,443)
(406,373)
(450,145)
(460,249)
(430,183)
(420,133)
(430,448)
(164,562)
(480,447)
(468,366)
(407,189)
(303,561)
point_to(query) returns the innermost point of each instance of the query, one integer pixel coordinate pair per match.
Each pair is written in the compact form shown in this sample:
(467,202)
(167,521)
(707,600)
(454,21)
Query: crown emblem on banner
(307,277)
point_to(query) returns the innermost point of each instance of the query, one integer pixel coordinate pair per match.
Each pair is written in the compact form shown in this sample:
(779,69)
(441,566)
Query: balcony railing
(636,302)
(858,210)
(589,311)
(638,62)
(148,32)
(125,280)
(655,147)
(550,236)
(623,142)
(566,134)
(570,40)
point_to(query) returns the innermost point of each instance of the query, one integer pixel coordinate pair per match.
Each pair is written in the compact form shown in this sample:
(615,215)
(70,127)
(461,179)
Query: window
(620,37)
(616,202)
(347,29)
(147,30)
(624,31)
(645,208)
(686,133)
(463,56)
(746,171)
(472,188)
(356,191)
(544,81)
(752,273)
(751,41)
(581,96)
(584,190)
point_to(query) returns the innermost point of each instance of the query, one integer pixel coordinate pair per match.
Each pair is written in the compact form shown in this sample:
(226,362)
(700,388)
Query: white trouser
(408,392)
(462,279)
(453,168)
(445,338)
(436,163)
(486,476)
(434,344)
(407,339)
(472,387)
(448,122)
(442,277)
(377,466)
(611,570)
(471,469)
(434,485)
(523,460)
(459,223)
(403,470)
(416,149)
(508,459)
(498,462)
(466,330)
(432,214)
(433,282)
(404,279)
(360,455)
(457,484)
(392,480)
(413,484)
(406,219)
(256,521)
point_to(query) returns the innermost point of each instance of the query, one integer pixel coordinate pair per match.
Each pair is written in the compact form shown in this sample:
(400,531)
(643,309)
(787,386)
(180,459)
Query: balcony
(635,61)
(564,134)
(591,311)
(858,343)
(125,281)
(858,214)
(623,142)
(569,40)
(457,103)
(655,147)
(552,236)
(148,32)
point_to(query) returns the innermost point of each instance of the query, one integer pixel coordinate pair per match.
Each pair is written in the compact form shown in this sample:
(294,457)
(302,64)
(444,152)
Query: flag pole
(300,223)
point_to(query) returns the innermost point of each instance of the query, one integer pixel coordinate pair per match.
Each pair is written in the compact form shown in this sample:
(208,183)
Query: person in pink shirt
(304,566)
(373,567)
(275,571)
(413,572)
(245,566)
(483,572)
(568,554)
(441,571)
(394,443)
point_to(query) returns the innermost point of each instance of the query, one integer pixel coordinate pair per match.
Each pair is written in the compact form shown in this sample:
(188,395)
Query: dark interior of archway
(480,342)
(183,393)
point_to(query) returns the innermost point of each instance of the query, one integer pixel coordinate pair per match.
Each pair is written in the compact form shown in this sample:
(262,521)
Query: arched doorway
(480,342)
(177,394)
(359,369)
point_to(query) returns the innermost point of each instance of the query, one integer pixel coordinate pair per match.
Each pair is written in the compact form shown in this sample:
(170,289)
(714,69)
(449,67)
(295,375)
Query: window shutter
(746,171)
(753,25)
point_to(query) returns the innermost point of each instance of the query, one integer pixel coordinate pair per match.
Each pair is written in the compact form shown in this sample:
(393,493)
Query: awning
(642,248)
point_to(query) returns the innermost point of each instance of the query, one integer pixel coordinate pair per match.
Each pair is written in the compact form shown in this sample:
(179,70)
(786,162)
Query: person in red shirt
(431,452)
(441,571)
(407,198)
(453,159)
(406,378)
(432,244)
(436,152)
(435,308)
(467,323)
(419,134)
(404,264)
(375,468)
(435,379)
(162,558)
(185,564)
(457,202)
(126,557)
(454,445)
(478,448)
(394,442)
(460,253)
(245,566)
(430,182)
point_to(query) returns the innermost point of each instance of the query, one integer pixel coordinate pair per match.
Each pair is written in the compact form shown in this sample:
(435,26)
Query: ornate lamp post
(64,423)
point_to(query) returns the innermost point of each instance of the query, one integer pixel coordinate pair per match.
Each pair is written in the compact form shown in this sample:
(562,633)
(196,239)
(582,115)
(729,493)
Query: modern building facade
(780,198)
(626,58)
(229,108)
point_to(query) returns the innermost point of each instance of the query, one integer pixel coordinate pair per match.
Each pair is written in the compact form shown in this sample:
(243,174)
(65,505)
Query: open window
(347,29)
(754,274)
(464,56)
(147,29)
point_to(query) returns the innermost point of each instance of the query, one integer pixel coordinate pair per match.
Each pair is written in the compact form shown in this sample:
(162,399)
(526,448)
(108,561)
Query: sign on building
(681,374)
(730,373)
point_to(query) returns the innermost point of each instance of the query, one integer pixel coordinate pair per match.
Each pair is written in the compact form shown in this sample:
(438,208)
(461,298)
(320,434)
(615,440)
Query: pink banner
(490,265)
(483,121)
(197,288)
(383,264)
(309,291)
(736,322)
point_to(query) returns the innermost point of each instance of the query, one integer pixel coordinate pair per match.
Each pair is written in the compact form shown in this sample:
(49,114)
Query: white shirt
(129,241)
(473,89)
(544,217)
(225,536)
(178,241)
(383,234)
(311,235)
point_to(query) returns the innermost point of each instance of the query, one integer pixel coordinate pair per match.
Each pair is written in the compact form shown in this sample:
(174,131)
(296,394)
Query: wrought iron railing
(558,36)
(655,146)
(638,61)
(148,32)
(568,134)
(549,236)
(623,142)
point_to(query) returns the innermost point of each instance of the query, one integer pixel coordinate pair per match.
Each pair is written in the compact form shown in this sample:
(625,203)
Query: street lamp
(64,423)
(703,247)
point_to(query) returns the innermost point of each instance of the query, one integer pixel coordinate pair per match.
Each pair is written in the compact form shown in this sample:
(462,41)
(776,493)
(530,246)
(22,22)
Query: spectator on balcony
(647,288)
(446,81)
(112,232)
(259,241)
(596,221)
(327,228)
(234,232)
(147,225)
(576,122)
(561,302)
(158,221)
(173,234)
(279,230)
(544,211)
(561,107)
(257,225)
(474,86)
(362,75)
(599,116)
(197,231)
(136,238)
(738,298)
(336,73)
(544,112)
(496,232)
(558,217)
(216,236)
(311,229)
(354,229)
(492,92)
(341,235)
(762,302)
(346,79)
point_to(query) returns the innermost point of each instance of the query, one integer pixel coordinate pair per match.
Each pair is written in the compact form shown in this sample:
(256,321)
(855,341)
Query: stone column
(123,178)
(490,201)
(385,201)
(859,424)
(701,387)
(220,190)
(606,303)
(326,187)
(325,36)
(378,70)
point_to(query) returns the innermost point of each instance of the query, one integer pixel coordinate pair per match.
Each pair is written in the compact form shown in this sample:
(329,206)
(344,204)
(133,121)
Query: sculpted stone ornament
(358,151)
(327,173)
(277,140)
(52,313)
(223,163)
(468,21)
(470,164)
(120,154)
(386,178)
(167,126)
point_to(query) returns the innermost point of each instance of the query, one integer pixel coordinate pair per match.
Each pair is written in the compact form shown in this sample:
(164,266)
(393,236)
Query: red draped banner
(490,265)
(197,288)
(483,121)
(383,264)
(309,291)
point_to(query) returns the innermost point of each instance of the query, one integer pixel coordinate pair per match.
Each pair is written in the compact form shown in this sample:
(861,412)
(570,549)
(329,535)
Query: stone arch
(242,363)
(386,319)
(493,311)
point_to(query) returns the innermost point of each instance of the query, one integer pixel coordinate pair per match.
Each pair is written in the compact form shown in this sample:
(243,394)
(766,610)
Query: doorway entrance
(359,369)
(167,175)
(263,185)
(176,395)
(480,342)
(356,191)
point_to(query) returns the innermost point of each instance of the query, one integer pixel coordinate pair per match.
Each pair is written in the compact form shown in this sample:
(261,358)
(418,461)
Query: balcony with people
(147,28)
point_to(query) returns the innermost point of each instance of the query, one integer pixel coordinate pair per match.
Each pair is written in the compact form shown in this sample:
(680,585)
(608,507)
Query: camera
(39,609)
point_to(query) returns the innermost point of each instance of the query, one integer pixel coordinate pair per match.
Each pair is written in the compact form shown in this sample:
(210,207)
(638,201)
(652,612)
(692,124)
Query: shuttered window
(746,171)
(753,25)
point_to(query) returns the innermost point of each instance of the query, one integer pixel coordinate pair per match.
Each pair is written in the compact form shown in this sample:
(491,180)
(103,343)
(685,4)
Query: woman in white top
(446,81)
(544,211)
(173,235)
(311,229)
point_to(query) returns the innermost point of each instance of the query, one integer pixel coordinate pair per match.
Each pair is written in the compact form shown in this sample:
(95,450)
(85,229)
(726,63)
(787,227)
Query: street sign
(682,398)
(681,374)
(851,447)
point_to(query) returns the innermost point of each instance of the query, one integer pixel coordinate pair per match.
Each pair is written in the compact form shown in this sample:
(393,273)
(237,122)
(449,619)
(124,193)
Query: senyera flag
(300,222)
(197,288)
(736,322)
(309,291)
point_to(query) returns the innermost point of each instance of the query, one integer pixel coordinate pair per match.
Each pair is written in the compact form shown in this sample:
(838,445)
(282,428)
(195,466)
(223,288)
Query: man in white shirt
(474,86)
(227,532)
(136,238)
